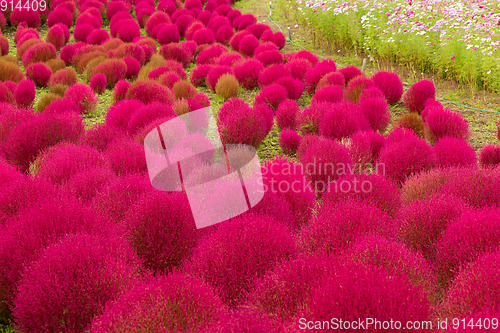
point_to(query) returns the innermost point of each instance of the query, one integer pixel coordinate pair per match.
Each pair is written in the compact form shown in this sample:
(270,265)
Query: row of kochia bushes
(87,244)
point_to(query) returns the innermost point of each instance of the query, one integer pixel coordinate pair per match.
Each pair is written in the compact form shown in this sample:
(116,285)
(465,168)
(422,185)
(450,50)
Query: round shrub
(350,72)
(210,54)
(400,134)
(215,73)
(32,18)
(331,79)
(126,157)
(365,148)
(203,36)
(271,73)
(56,37)
(342,120)
(473,234)
(245,320)
(289,141)
(356,86)
(25,93)
(286,114)
(146,114)
(82,31)
(377,113)
(60,106)
(119,114)
(418,156)
(247,45)
(60,15)
(412,121)
(83,96)
(98,37)
(161,229)
(227,86)
(332,94)
(337,226)
(489,157)
(440,123)
(177,301)
(453,152)
(371,92)
(113,69)
(309,119)
(148,91)
(65,76)
(38,53)
(247,72)
(103,266)
(423,222)
(390,84)
(418,94)
(133,67)
(98,83)
(120,90)
(298,67)
(250,245)
(271,95)
(224,34)
(169,33)
(86,184)
(39,73)
(183,89)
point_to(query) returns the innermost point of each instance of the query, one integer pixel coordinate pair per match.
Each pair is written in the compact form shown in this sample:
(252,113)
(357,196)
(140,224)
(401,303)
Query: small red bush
(83,96)
(418,94)
(453,152)
(113,69)
(60,15)
(489,157)
(342,120)
(376,111)
(332,94)
(390,84)
(133,67)
(98,37)
(247,72)
(98,83)
(148,91)
(271,95)
(56,37)
(32,18)
(39,53)
(25,93)
(445,122)
(350,72)
(120,90)
(65,76)
(169,33)
(289,141)
(286,114)
(356,86)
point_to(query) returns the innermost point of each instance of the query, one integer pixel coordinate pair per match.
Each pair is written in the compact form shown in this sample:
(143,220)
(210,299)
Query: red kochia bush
(8,174)
(418,156)
(119,114)
(418,93)
(332,94)
(489,157)
(337,226)
(247,45)
(61,161)
(342,120)
(204,36)
(98,83)
(453,152)
(286,114)
(25,93)
(38,53)
(114,70)
(66,76)
(423,222)
(445,122)
(28,233)
(28,139)
(289,141)
(169,33)
(224,34)
(83,96)
(82,31)
(271,74)
(101,135)
(315,74)
(215,73)
(60,15)
(475,233)
(298,67)
(247,72)
(377,113)
(148,91)
(32,18)
(86,184)
(390,84)
(360,291)
(309,119)
(350,72)
(249,246)
(120,90)
(146,114)
(126,157)
(475,289)
(98,37)
(161,229)
(56,37)
(180,302)
(63,105)
(356,86)
(365,147)
(103,266)
(271,95)
(133,67)
(245,320)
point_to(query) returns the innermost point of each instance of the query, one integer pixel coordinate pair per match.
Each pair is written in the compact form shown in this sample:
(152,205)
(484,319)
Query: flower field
(363,214)
(454,39)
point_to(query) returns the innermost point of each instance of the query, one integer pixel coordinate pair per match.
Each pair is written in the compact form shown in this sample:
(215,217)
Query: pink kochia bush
(148,91)
(418,94)
(365,147)
(271,95)
(161,229)
(361,291)
(126,157)
(85,185)
(245,320)
(289,141)
(119,114)
(309,119)
(475,289)
(239,252)
(286,114)
(39,73)
(391,85)
(332,94)
(98,83)
(445,122)
(356,86)
(453,152)
(376,111)
(25,93)
(177,301)
(342,120)
(83,96)
(103,266)
(337,226)
(247,72)
(473,234)
(489,157)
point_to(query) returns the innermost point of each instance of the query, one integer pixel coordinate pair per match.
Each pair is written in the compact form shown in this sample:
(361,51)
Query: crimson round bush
(445,122)
(309,119)
(289,141)
(376,111)
(271,95)
(418,94)
(82,31)
(119,114)
(114,70)
(489,157)
(60,106)
(56,37)
(38,53)
(98,37)
(32,18)
(286,114)
(365,148)
(391,85)
(350,72)
(25,93)
(98,83)
(126,157)
(224,259)
(453,152)
(83,96)
(332,94)
(342,120)
(148,91)
(84,185)
(103,266)
(298,67)
(271,74)
(247,72)
(177,301)
(120,90)
(294,87)
(315,74)
(66,76)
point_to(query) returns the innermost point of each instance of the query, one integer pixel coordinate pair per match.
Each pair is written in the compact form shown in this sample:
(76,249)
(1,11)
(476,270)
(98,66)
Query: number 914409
(32,5)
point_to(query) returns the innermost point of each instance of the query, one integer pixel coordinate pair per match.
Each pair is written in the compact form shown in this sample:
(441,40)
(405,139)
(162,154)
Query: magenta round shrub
(120,90)
(247,72)
(264,47)
(286,114)
(295,88)
(215,73)
(406,158)
(350,72)
(155,19)
(133,67)
(371,92)
(113,69)
(66,76)
(276,207)
(169,33)
(332,94)
(182,22)
(429,105)
(258,28)
(474,289)
(224,34)
(307,55)
(271,73)
(453,152)
(98,37)
(271,95)
(103,266)
(401,134)
(146,114)
(391,85)
(289,141)
(418,93)
(298,67)
(423,222)
(101,135)
(365,147)
(440,123)
(32,18)
(115,7)
(30,138)
(309,119)
(364,291)
(245,320)
(342,120)
(243,125)
(321,160)
(489,157)
(177,52)
(162,230)
(192,28)
(377,113)
(56,37)
(68,51)
(178,301)
(356,86)
(279,39)
(86,184)
(60,15)
(473,234)
(129,32)
(247,45)
(119,114)
(98,83)
(126,157)
(210,54)
(314,75)
(268,240)
(204,36)
(38,53)
(333,78)
(61,106)
(193,4)
(8,174)
(148,91)
(26,235)
(61,161)
(268,113)
(82,31)
(93,20)
(83,96)
(245,21)
(230,106)
(229,58)
(25,93)
(281,170)
(337,225)
(114,200)
(397,260)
